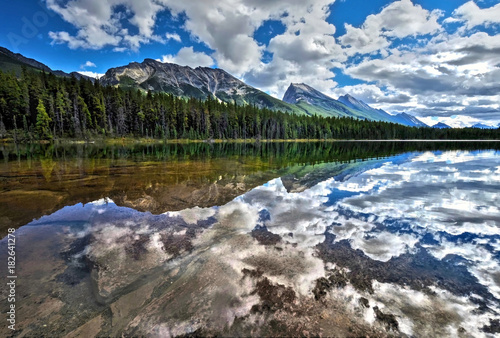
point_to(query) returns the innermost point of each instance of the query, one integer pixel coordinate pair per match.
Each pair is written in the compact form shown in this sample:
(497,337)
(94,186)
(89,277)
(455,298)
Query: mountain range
(484,126)
(201,82)
(312,100)
(441,125)
(10,61)
(185,81)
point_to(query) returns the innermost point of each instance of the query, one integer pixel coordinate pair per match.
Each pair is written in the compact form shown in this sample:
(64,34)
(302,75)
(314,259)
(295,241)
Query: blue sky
(438,60)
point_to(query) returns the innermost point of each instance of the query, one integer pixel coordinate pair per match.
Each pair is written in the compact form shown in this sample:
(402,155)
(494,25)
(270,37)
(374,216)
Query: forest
(41,106)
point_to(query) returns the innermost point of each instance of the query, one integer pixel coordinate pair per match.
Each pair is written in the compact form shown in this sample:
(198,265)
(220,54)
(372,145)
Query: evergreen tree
(42,122)
(66,107)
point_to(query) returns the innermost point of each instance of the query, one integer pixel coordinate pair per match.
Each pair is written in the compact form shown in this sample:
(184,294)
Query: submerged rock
(364,302)
(336,280)
(388,319)
(493,328)
(264,236)
(419,270)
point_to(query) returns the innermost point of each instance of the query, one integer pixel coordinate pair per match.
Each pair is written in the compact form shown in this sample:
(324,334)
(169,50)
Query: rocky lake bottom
(346,239)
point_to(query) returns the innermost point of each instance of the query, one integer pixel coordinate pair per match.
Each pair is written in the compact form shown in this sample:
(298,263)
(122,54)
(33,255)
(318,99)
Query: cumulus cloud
(224,26)
(437,77)
(173,36)
(455,121)
(227,27)
(306,52)
(451,75)
(99,23)
(188,57)
(374,95)
(397,20)
(88,64)
(442,196)
(473,16)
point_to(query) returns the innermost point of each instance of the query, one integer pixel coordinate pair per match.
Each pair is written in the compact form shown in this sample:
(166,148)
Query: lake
(238,239)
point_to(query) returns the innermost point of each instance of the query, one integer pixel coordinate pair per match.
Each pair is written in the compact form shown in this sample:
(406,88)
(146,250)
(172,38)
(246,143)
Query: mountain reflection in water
(354,239)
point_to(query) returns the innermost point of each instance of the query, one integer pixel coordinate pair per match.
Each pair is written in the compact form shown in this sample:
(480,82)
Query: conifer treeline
(43,106)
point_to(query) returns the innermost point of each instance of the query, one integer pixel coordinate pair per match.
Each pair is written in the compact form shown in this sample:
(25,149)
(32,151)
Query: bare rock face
(200,82)
(301,91)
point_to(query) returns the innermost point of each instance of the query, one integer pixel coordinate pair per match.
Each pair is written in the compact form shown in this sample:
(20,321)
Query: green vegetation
(42,122)
(273,155)
(44,106)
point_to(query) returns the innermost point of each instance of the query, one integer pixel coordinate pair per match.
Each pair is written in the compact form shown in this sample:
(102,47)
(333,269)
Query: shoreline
(117,141)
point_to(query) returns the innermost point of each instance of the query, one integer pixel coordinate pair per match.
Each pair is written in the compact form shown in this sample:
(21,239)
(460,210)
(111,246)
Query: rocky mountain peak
(351,100)
(441,125)
(200,82)
(302,91)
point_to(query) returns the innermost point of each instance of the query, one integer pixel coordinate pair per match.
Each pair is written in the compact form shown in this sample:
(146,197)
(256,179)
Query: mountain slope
(408,120)
(482,126)
(313,101)
(367,111)
(310,99)
(10,61)
(441,125)
(184,81)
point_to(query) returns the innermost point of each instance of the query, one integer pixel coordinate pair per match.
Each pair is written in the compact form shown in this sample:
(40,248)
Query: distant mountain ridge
(483,126)
(310,99)
(409,120)
(372,113)
(10,61)
(369,112)
(441,125)
(307,97)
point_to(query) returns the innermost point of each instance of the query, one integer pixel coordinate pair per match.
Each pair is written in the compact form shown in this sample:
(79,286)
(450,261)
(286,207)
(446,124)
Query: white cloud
(227,27)
(224,26)
(440,196)
(473,16)
(91,74)
(373,95)
(276,76)
(173,36)
(88,39)
(363,40)
(437,78)
(99,23)
(381,246)
(302,213)
(305,52)
(454,121)
(87,65)
(397,20)
(188,57)
(451,75)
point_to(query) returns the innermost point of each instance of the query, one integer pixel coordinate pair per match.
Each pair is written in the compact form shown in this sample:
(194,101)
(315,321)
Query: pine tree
(43,122)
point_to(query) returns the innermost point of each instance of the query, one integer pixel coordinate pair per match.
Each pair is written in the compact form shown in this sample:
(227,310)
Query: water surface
(331,239)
